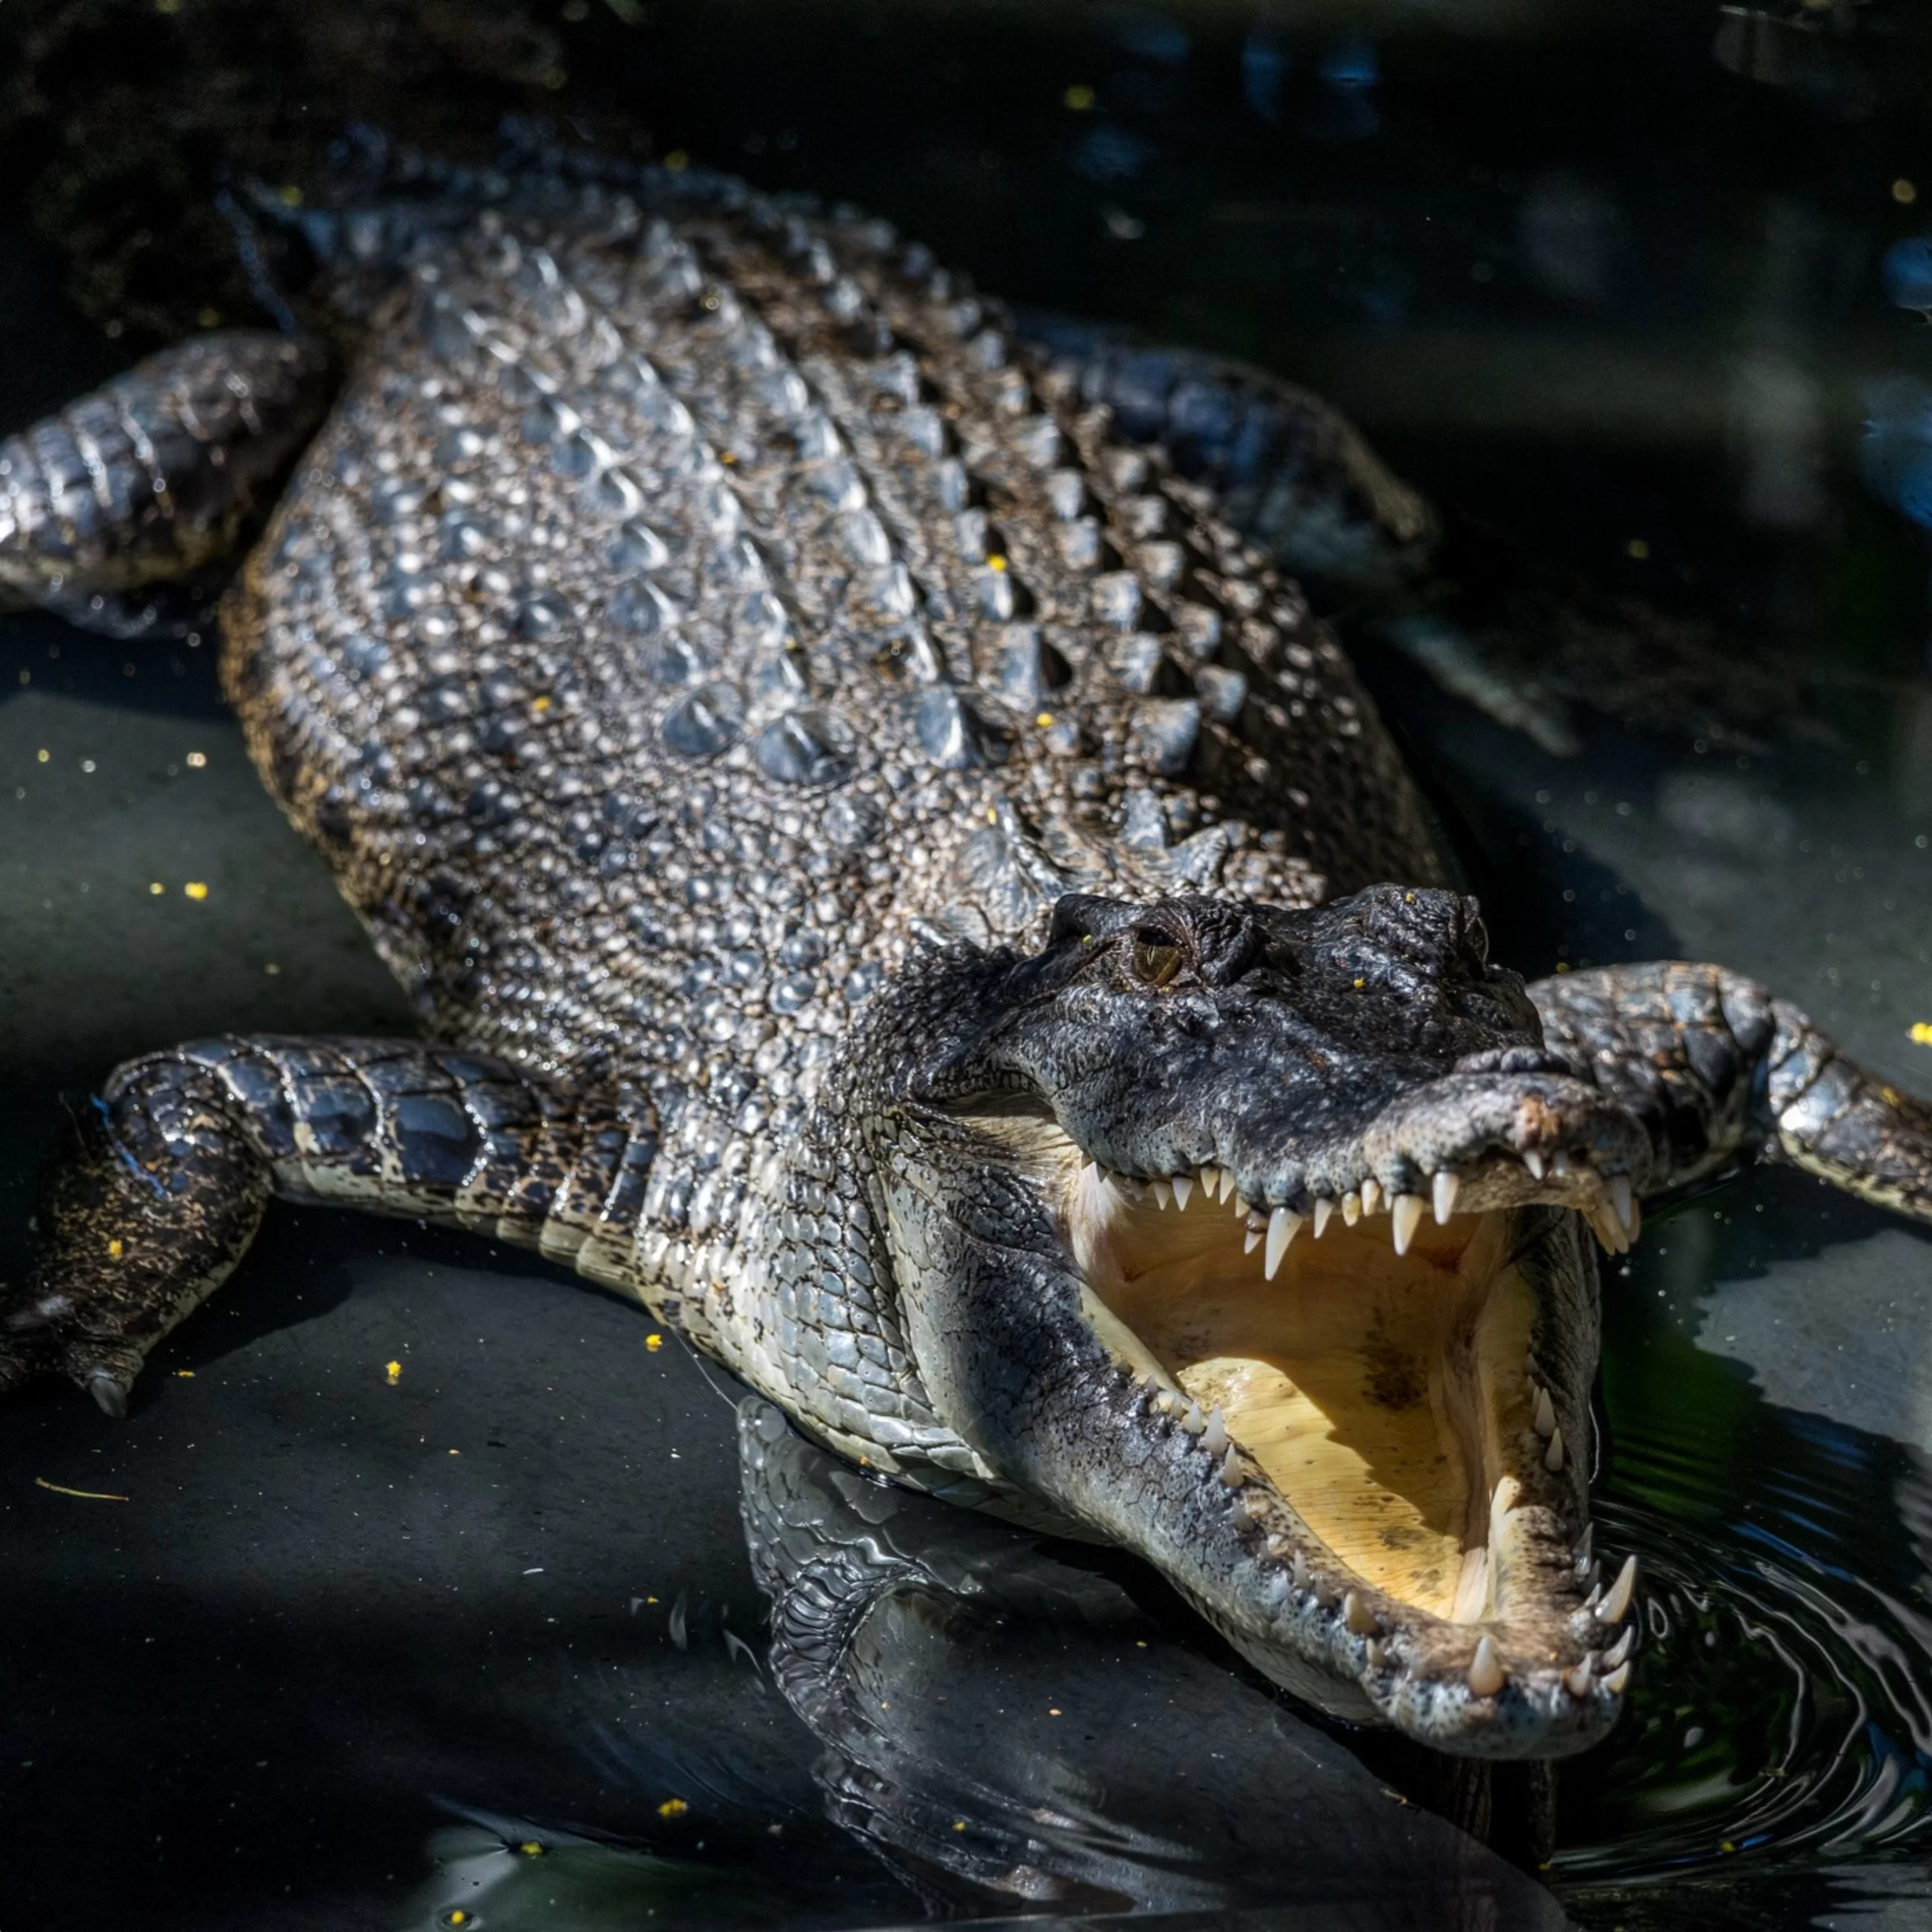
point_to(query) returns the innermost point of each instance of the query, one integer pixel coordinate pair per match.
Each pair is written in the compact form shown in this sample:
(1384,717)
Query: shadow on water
(1624,296)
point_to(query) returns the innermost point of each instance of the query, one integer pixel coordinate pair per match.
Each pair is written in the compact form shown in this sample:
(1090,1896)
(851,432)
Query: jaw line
(1453,1599)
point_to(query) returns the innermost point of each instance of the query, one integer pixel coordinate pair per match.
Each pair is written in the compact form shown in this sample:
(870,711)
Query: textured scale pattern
(158,471)
(685,611)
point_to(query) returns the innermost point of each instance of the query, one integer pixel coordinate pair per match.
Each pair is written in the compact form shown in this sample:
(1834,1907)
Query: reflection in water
(1001,1719)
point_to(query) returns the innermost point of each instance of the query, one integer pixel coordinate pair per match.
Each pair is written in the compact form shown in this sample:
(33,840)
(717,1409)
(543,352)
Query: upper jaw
(1461,1144)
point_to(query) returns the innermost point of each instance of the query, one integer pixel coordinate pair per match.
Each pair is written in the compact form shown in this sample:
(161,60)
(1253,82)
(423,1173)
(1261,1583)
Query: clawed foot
(106,1368)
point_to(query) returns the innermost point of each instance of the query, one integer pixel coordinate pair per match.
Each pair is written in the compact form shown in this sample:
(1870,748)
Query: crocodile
(892,877)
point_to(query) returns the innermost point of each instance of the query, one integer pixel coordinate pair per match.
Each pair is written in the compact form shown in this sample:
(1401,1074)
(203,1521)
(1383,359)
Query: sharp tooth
(1251,1239)
(1447,1186)
(1229,1194)
(1210,1179)
(1618,1681)
(1533,1161)
(1610,1236)
(1560,1166)
(1240,1515)
(1586,1546)
(1374,1655)
(1371,1196)
(1619,1186)
(1586,1570)
(1164,1195)
(1552,1459)
(1590,1601)
(1407,1213)
(1324,1207)
(1611,1610)
(1619,1650)
(1577,1681)
(1283,1226)
(1486,1677)
(1232,1475)
(1165,1401)
(1183,1187)
(1358,1616)
(1351,1208)
(1193,1421)
(1214,1439)
(1301,1571)
(1546,1415)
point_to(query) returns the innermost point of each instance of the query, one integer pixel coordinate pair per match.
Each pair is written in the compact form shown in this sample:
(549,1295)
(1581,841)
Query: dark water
(1642,307)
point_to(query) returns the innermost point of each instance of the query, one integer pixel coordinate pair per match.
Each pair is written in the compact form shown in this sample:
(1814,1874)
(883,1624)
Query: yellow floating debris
(653,1342)
(1079,97)
(195,889)
(672,1807)
(1921,1032)
(393,1370)
(196,760)
(85,1495)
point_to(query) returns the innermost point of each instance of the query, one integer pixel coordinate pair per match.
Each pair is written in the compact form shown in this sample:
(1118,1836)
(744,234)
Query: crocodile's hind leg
(1293,474)
(1717,1070)
(157,475)
(179,1155)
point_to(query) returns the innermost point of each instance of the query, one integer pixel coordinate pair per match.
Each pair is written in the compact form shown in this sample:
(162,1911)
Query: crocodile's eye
(1155,961)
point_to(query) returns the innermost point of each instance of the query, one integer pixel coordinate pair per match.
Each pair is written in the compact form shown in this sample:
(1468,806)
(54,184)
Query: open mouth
(1377,1390)
(1374,1390)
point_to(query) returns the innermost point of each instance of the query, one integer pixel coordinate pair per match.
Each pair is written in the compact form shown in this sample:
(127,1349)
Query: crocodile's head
(1262,1242)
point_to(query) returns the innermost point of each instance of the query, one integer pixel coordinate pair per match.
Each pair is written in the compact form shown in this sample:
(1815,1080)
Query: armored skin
(891,878)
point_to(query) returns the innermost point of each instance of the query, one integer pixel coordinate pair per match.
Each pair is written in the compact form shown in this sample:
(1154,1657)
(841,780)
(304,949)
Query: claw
(109,1391)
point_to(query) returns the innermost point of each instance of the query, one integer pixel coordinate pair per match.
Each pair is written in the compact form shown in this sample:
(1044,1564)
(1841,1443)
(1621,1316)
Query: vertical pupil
(1156,963)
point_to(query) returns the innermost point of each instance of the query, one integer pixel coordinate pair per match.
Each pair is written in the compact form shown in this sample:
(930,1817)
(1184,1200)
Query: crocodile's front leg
(180,1154)
(1716,1069)
(154,476)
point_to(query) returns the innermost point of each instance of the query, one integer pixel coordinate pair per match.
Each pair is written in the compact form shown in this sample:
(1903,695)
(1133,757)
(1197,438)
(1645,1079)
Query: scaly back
(693,603)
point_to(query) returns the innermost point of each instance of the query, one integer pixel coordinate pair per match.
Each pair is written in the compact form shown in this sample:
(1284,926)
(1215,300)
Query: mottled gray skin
(793,747)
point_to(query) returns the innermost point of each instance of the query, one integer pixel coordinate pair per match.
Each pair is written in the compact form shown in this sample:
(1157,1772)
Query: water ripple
(1783,1705)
